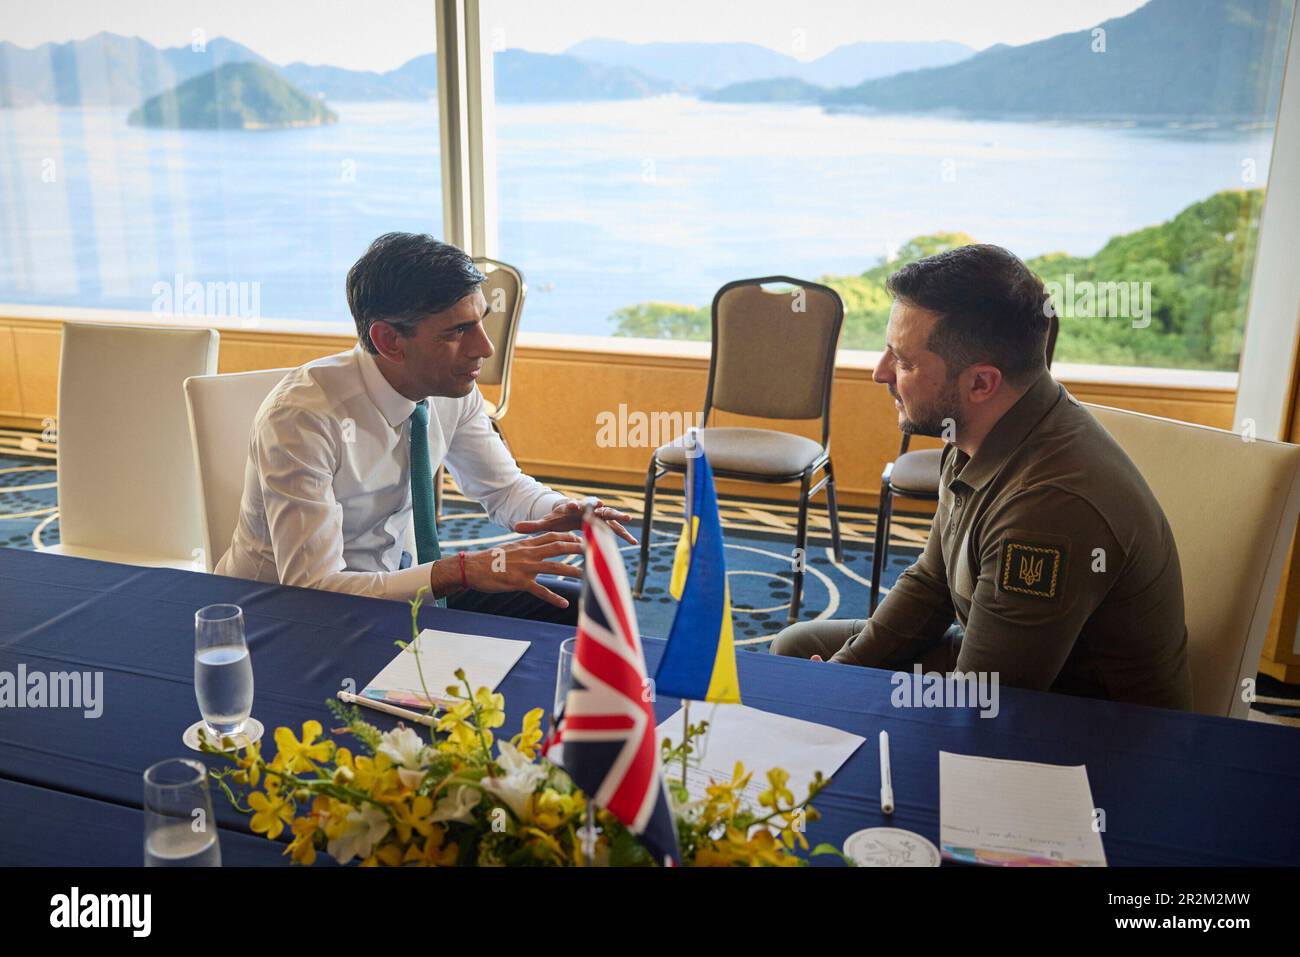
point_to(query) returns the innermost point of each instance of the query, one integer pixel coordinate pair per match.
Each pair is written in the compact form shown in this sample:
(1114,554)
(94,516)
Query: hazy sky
(383,34)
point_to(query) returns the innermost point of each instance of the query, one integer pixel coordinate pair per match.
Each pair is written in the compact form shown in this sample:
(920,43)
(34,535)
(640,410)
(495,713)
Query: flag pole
(688,516)
(589,828)
(589,836)
(686,731)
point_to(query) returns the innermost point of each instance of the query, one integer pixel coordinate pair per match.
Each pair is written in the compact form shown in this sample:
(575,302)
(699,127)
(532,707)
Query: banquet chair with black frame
(505,291)
(773,357)
(915,475)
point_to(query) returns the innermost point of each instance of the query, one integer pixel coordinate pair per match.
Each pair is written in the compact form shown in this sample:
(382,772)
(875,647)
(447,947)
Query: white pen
(886,779)
(386,708)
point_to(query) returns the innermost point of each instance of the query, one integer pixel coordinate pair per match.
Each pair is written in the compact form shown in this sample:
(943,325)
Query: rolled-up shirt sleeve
(911,617)
(1047,560)
(296,454)
(485,470)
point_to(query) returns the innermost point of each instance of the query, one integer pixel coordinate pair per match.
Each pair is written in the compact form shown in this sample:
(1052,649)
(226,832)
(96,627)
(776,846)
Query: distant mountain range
(106,70)
(233,96)
(708,66)
(111,70)
(1169,59)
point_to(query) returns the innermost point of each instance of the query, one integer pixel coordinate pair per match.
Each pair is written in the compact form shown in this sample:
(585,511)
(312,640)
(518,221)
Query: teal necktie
(426,525)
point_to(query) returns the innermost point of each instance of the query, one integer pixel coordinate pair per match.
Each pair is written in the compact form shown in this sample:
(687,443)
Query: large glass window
(204,167)
(647,155)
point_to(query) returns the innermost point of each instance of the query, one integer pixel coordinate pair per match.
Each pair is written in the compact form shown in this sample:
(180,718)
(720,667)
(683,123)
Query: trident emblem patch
(1030,569)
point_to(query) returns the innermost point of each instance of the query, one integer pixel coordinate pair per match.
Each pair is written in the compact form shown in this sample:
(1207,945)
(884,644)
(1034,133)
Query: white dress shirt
(327,486)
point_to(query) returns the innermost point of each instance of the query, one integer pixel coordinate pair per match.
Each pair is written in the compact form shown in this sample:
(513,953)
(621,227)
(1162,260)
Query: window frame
(1267,378)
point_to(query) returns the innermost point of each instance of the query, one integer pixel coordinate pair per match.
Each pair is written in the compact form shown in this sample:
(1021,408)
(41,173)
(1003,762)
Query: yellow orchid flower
(465,741)
(778,793)
(271,813)
(455,715)
(551,809)
(433,853)
(413,815)
(530,734)
(389,855)
(491,708)
(301,755)
(302,849)
(543,845)
(249,763)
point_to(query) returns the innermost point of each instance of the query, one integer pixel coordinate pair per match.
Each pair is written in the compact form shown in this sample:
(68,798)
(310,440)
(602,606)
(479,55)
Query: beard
(932,419)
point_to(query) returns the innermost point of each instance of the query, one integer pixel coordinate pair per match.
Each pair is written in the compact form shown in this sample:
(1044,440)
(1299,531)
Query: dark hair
(990,308)
(404,277)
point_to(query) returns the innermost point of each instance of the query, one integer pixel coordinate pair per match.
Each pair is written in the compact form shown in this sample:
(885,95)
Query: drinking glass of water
(223,672)
(564,674)
(179,829)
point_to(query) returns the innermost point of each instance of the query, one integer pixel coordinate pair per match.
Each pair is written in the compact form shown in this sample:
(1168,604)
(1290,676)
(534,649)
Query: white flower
(366,828)
(405,747)
(457,805)
(519,782)
(409,752)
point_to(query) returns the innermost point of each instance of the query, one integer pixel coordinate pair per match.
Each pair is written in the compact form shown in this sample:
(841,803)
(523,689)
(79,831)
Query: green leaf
(832,849)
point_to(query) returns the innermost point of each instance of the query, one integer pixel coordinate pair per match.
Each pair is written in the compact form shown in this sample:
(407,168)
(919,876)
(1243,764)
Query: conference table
(1177,788)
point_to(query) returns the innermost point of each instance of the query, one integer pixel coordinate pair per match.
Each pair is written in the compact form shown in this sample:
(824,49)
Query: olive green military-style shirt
(1055,558)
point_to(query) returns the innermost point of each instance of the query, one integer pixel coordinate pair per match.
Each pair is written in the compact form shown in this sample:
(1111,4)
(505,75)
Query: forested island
(234,96)
(1198,265)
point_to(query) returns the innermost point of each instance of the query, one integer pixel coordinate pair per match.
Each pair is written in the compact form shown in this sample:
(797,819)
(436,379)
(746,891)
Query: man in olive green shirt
(1048,547)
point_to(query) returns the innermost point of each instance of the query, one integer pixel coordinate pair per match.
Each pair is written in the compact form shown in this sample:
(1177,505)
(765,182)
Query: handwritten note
(1017,813)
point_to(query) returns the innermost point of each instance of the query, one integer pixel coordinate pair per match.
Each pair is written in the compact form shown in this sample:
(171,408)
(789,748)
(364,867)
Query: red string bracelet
(464,582)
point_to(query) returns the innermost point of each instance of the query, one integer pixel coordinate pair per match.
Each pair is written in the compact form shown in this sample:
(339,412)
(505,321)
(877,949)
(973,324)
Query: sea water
(601,204)
(223,683)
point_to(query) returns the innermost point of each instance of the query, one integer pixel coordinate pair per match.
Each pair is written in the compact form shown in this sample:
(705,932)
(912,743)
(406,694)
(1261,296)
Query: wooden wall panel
(558,395)
(37,352)
(11,403)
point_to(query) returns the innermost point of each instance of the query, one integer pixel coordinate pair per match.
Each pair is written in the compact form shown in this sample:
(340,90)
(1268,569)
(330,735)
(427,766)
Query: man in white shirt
(338,485)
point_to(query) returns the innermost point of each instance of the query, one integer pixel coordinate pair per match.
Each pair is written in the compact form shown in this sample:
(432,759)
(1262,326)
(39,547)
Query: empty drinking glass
(564,674)
(179,829)
(223,672)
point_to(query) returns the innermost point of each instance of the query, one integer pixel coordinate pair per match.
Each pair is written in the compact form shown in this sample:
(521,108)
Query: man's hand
(511,567)
(567,516)
(815,658)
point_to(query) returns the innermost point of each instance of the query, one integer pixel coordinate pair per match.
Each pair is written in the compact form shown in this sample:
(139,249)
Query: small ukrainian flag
(699,663)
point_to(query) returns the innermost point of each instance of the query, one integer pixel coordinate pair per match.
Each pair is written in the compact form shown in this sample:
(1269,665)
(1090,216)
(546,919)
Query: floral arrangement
(463,796)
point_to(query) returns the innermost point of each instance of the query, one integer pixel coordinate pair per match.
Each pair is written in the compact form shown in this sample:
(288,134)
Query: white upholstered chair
(1232,505)
(221,410)
(127,489)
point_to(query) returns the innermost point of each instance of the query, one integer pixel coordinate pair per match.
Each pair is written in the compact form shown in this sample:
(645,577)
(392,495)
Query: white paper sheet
(993,811)
(761,740)
(486,661)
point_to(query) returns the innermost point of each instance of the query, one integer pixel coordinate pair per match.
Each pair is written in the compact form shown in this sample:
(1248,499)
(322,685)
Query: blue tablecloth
(49,828)
(1177,788)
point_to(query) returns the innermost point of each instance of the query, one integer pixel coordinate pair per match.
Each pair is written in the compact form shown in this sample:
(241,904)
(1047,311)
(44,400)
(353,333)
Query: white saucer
(252,732)
(890,847)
